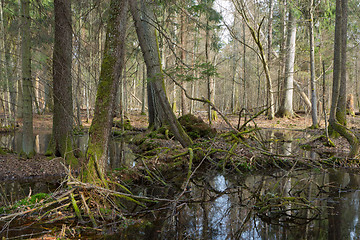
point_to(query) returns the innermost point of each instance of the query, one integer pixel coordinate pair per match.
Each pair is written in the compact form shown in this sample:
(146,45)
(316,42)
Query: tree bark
(28,138)
(111,70)
(339,78)
(314,113)
(341,104)
(62,81)
(159,106)
(286,108)
(184,109)
(143,93)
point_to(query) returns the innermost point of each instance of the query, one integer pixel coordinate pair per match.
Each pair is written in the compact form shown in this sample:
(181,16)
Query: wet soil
(12,167)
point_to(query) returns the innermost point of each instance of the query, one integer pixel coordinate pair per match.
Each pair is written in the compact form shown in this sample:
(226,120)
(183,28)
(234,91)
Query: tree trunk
(143,90)
(5,72)
(111,70)
(28,139)
(62,81)
(159,106)
(183,101)
(341,104)
(208,80)
(286,108)
(233,88)
(339,77)
(314,113)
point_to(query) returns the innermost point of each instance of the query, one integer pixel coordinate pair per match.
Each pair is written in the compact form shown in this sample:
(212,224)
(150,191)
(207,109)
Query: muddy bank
(12,167)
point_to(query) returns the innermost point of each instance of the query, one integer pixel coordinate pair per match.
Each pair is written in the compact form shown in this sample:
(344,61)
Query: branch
(203,100)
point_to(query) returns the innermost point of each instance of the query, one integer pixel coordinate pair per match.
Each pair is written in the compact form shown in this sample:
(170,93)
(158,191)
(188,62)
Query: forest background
(237,54)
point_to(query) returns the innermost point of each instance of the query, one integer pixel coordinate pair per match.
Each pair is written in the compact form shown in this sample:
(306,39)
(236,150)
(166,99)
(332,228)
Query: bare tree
(286,107)
(160,112)
(314,113)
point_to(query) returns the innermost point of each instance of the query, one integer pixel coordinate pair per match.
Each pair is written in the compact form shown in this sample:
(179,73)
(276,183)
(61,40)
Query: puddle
(299,205)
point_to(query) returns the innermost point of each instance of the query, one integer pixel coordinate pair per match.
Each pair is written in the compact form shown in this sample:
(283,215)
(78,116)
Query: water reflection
(287,142)
(119,152)
(300,205)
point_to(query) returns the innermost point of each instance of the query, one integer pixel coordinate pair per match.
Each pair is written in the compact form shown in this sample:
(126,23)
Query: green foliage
(208,69)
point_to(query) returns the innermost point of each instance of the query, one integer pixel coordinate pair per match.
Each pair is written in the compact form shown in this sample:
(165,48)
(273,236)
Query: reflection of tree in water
(343,205)
(240,220)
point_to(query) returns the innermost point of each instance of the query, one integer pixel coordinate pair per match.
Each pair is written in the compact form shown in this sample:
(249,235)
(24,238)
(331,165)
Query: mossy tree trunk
(62,82)
(336,120)
(111,70)
(160,112)
(27,111)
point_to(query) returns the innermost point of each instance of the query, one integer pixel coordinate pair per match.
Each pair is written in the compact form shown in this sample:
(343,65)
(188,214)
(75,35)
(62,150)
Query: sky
(225,7)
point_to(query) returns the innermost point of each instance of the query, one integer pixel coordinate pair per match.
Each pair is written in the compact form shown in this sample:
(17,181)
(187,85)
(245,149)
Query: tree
(62,80)
(337,118)
(28,138)
(312,66)
(160,112)
(286,107)
(255,34)
(111,70)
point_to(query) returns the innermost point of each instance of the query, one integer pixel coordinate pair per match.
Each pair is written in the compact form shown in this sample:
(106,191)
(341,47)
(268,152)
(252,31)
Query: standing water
(278,204)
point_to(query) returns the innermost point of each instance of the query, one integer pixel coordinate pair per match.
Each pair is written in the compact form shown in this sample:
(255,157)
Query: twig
(203,100)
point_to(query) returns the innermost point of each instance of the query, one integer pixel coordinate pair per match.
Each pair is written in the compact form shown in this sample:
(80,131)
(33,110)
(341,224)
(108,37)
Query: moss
(78,130)
(27,155)
(27,202)
(2,152)
(314,126)
(306,147)
(196,127)
(127,124)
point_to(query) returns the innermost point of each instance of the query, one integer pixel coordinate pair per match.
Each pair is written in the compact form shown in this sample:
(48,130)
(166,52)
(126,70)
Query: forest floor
(12,167)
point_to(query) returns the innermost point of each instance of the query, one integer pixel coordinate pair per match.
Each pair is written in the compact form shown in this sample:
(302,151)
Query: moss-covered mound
(127,124)
(196,127)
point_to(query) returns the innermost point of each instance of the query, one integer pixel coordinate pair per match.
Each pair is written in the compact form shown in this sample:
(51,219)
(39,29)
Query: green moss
(78,130)
(27,155)
(25,202)
(2,152)
(195,127)
(306,147)
(127,124)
